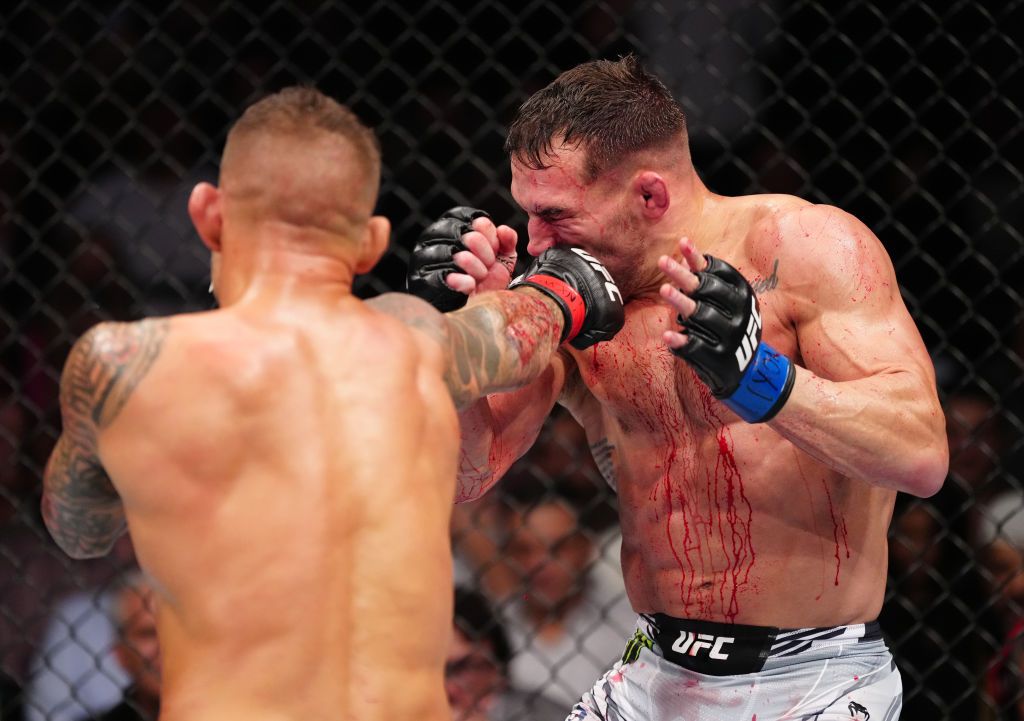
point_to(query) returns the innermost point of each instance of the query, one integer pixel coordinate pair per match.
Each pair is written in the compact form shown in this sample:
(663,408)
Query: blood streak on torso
(677,450)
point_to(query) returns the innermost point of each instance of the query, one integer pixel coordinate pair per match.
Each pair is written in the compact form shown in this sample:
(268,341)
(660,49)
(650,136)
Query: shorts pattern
(841,674)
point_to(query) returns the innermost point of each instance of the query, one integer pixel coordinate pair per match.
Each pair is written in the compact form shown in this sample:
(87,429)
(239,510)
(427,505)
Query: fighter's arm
(499,429)
(465,254)
(863,402)
(81,507)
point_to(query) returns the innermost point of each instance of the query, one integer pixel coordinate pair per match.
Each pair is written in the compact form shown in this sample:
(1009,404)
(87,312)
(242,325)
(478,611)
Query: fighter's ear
(651,193)
(374,243)
(204,208)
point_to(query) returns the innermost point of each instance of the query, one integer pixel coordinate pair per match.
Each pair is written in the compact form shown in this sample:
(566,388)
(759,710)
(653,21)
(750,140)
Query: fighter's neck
(696,217)
(283,278)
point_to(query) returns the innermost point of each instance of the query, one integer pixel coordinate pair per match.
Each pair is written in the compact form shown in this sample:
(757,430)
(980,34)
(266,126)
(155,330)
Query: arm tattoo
(503,341)
(80,505)
(500,341)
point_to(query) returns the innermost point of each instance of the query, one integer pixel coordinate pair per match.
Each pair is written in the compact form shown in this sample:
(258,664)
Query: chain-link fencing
(907,114)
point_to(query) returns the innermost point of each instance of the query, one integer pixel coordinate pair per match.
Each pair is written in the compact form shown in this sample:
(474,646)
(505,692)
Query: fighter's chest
(637,379)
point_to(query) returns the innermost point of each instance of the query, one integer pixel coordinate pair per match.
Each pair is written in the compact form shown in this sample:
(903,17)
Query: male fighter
(286,465)
(766,399)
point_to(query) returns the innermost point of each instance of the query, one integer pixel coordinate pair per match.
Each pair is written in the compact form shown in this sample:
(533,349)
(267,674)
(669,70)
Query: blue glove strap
(764,387)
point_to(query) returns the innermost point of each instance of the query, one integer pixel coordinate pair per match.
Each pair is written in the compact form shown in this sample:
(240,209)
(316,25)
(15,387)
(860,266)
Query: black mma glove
(589,298)
(431,259)
(724,346)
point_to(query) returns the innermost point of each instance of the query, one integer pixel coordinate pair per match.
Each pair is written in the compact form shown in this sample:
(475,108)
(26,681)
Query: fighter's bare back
(298,481)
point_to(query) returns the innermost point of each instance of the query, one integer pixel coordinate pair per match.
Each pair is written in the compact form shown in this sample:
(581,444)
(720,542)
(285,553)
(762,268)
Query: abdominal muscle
(724,520)
(764,537)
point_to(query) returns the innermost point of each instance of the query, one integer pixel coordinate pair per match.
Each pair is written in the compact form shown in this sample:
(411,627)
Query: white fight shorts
(680,670)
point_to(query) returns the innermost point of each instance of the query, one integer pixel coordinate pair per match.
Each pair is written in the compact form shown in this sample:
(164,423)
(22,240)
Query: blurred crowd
(97,157)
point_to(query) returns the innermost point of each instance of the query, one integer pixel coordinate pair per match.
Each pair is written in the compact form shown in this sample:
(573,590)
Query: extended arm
(863,400)
(80,506)
(464,245)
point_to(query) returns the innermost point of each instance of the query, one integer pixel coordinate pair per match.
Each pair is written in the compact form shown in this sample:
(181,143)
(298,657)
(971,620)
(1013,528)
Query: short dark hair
(476,620)
(297,110)
(610,108)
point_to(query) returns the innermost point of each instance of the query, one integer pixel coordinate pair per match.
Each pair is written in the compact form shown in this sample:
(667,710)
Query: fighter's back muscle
(286,461)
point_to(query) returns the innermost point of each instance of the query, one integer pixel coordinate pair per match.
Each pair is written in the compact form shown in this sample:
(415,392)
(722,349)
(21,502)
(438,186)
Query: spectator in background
(927,619)
(1000,547)
(94,655)
(977,437)
(570,620)
(476,672)
(138,652)
(1000,544)
(544,546)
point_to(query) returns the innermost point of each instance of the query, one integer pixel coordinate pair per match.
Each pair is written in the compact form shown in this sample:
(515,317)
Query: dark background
(907,114)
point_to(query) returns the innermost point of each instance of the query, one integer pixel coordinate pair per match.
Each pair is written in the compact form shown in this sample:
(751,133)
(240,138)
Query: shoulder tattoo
(80,504)
(107,364)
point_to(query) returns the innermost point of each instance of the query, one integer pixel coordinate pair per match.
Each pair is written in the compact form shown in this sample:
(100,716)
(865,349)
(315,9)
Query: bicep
(867,339)
(81,507)
(497,430)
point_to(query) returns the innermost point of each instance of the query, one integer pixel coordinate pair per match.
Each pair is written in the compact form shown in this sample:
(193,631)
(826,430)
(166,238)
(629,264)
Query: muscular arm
(499,429)
(864,402)
(80,506)
(501,341)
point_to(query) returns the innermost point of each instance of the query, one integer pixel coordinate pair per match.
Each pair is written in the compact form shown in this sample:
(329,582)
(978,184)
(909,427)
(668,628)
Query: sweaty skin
(288,479)
(779,524)
(286,465)
(287,476)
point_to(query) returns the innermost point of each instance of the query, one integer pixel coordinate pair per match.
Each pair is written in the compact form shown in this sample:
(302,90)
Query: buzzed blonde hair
(302,157)
(298,110)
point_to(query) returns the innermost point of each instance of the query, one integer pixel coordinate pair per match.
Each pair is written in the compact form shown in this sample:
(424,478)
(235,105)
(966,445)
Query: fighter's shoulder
(811,241)
(793,225)
(411,312)
(112,343)
(107,363)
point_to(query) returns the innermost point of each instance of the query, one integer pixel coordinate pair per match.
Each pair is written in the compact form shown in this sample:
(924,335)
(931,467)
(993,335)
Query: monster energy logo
(635,645)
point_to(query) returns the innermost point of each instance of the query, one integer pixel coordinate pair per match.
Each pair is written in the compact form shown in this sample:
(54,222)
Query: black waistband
(726,649)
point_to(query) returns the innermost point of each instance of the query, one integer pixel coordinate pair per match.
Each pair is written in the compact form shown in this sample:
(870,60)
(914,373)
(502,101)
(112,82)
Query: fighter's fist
(589,298)
(461,253)
(720,316)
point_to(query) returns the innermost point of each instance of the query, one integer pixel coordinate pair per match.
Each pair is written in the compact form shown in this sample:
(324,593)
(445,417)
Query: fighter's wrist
(764,387)
(560,294)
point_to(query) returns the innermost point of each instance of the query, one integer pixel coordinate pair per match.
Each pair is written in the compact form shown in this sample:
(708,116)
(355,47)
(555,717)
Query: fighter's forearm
(502,341)
(480,460)
(499,429)
(887,429)
(84,520)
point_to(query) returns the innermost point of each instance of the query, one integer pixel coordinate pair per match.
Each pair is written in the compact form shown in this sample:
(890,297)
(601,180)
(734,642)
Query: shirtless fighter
(286,465)
(766,399)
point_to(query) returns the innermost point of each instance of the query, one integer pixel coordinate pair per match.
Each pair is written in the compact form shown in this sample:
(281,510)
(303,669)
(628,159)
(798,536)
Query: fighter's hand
(720,334)
(580,284)
(462,253)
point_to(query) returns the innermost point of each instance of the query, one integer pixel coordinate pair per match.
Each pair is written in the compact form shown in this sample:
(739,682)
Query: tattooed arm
(81,507)
(499,341)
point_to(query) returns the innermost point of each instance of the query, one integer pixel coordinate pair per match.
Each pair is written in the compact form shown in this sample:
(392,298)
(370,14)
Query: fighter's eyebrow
(550,213)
